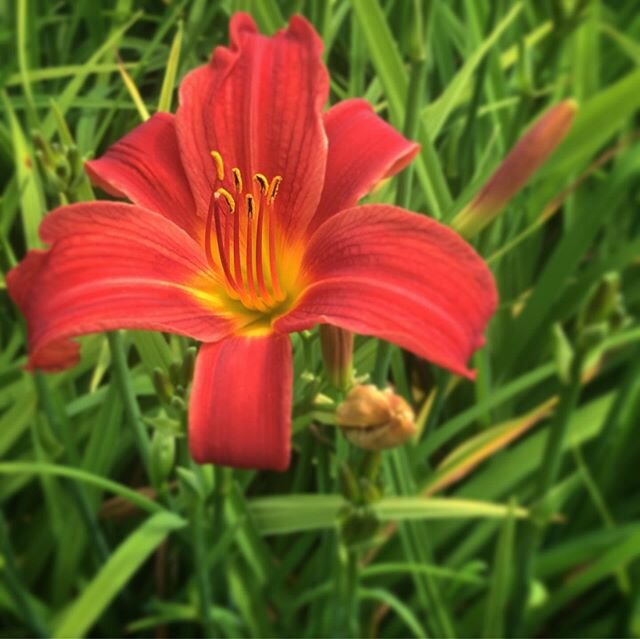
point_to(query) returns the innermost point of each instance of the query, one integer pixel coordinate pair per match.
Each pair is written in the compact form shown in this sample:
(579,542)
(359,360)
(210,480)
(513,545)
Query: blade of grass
(497,598)
(118,570)
(31,198)
(169,80)
(133,91)
(393,76)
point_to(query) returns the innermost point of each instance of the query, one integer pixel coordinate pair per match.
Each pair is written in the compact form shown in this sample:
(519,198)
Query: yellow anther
(273,188)
(217,158)
(262,182)
(250,205)
(237,179)
(231,203)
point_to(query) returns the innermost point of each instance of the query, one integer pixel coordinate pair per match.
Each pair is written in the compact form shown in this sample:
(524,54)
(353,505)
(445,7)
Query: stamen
(262,287)
(251,206)
(228,197)
(273,267)
(237,179)
(237,267)
(249,248)
(274,187)
(262,182)
(207,234)
(217,158)
(214,213)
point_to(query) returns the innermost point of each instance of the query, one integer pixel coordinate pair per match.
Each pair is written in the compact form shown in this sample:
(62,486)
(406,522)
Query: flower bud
(175,373)
(43,150)
(178,404)
(562,352)
(163,453)
(188,365)
(526,157)
(162,385)
(337,354)
(603,300)
(375,419)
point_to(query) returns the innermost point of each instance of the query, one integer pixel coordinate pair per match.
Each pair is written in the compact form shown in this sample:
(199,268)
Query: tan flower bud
(375,419)
(524,159)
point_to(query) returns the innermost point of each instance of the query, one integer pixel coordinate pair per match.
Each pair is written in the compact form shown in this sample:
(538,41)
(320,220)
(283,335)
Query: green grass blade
(436,113)
(122,565)
(596,122)
(497,600)
(398,606)
(31,198)
(169,80)
(34,468)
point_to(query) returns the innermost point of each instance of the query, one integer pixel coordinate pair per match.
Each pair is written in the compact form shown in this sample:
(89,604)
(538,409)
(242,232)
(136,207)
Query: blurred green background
(514,513)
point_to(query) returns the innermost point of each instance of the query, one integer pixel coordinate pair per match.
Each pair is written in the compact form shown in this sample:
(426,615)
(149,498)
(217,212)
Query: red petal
(380,270)
(112,265)
(259,104)
(363,149)
(240,408)
(145,167)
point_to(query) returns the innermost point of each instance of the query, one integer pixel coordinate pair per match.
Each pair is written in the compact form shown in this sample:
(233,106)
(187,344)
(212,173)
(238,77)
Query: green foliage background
(501,529)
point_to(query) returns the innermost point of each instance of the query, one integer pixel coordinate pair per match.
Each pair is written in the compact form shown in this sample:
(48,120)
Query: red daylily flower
(244,228)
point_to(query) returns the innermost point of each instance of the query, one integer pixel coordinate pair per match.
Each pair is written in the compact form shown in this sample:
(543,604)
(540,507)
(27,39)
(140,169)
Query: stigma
(240,236)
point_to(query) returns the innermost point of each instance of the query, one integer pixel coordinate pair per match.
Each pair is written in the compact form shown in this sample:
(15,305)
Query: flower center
(244,238)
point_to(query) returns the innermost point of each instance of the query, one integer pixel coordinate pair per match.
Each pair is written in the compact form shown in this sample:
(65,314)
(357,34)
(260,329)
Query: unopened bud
(43,149)
(563,353)
(175,373)
(603,300)
(62,167)
(178,404)
(188,364)
(337,353)
(74,157)
(526,157)
(375,419)
(53,183)
(162,385)
(163,453)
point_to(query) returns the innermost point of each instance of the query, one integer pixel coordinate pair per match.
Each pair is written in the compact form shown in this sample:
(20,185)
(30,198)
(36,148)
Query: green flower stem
(346,611)
(222,484)
(381,366)
(11,578)
(131,408)
(531,530)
